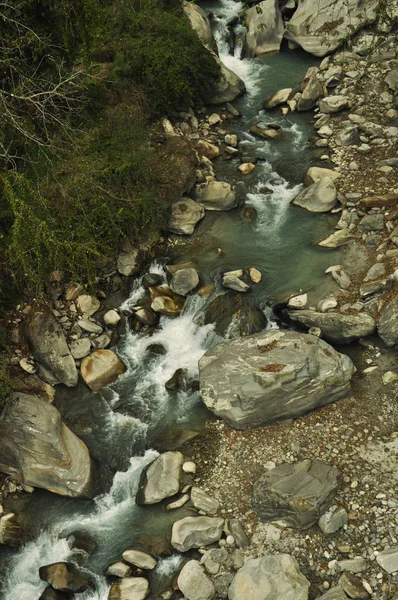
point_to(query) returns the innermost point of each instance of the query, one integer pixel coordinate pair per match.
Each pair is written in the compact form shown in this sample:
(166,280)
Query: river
(137,413)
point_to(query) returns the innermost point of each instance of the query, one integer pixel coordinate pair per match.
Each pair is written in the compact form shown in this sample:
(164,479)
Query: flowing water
(137,413)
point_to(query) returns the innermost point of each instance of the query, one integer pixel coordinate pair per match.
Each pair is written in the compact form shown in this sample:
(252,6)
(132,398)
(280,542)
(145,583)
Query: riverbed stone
(333,104)
(277,98)
(51,594)
(129,588)
(272,376)
(139,559)
(312,91)
(101,368)
(165,301)
(319,28)
(194,532)
(47,341)
(353,587)
(297,494)
(128,260)
(46,454)
(275,577)
(111,318)
(318,197)
(315,174)
(268,133)
(184,281)
(65,577)
(388,559)
(118,569)
(216,195)
(80,348)
(185,215)
(161,479)
(234,283)
(339,238)
(372,222)
(87,305)
(204,502)
(336,327)
(333,520)
(388,323)
(264,28)
(194,583)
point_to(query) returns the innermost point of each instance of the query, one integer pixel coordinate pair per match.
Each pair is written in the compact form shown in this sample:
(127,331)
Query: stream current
(122,427)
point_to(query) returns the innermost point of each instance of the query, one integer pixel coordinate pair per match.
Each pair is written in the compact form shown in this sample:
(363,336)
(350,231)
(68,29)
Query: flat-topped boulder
(161,479)
(295,494)
(335,326)
(101,368)
(38,449)
(320,197)
(185,215)
(315,174)
(194,532)
(47,341)
(216,195)
(276,577)
(129,588)
(272,376)
(321,27)
(139,559)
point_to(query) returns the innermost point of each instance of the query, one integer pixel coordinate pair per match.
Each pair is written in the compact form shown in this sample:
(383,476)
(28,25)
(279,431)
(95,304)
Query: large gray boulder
(295,494)
(276,577)
(272,376)
(229,87)
(185,215)
(194,583)
(388,324)
(161,479)
(49,347)
(336,327)
(319,197)
(194,532)
(200,23)
(216,195)
(38,449)
(265,28)
(321,27)
(184,281)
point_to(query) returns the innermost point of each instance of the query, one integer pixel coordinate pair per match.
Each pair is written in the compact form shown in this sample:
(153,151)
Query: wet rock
(46,454)
(51,594)
(165,301)
(146,316)
(229,86)
(184,281)
(319,197)
(336,327)
(152,279)
(161,479)
(272,376)
(178,381)
(255,275)
(64,577)
(203,501)
(388,559)
(194,583)
(268,133)
(277,98)
(333,520)
(49,347)
(139,559)
(194,532)
(338,238)
(233,315)
(276,577)
(118,569)
(235,283)
(101,368)
(319,30)
(11,534)
(157,349)
(83,542)
(312,91)
(185,215)
(315,174)
(246,168)
(353,587)
(129,588)
(333,104)
(264,28)
(216,195)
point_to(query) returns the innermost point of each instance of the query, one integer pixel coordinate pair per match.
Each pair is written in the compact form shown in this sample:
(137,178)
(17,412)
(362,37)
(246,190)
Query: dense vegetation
(82,165)
(81,83)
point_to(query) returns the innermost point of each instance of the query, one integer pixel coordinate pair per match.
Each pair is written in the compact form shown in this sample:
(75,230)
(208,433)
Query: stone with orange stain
(101,368)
